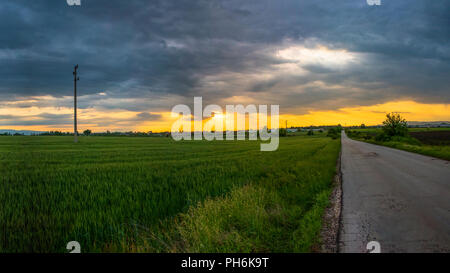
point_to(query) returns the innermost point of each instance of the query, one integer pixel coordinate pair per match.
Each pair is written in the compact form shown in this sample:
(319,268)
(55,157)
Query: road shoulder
(329,234)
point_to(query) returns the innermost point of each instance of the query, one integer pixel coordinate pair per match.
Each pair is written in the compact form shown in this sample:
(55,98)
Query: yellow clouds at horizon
(371,115)
(61,119)
(51,118)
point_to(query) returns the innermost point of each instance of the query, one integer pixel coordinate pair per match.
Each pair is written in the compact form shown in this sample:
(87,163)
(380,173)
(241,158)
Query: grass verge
(408,143)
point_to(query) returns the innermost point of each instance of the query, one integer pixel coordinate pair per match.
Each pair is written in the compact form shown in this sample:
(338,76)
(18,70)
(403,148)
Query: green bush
(382,137)
(407,140)
(395,125)
(334,133)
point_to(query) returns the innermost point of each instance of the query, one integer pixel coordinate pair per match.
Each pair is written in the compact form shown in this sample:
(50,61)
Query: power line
(75,79)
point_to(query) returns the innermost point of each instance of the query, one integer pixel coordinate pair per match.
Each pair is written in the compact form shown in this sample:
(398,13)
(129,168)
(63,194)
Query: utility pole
(75,79)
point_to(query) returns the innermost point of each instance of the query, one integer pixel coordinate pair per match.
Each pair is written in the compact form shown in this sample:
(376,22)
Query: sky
(323,62)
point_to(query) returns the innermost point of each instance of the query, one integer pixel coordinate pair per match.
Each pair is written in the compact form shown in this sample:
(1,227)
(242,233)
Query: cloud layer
(147,56)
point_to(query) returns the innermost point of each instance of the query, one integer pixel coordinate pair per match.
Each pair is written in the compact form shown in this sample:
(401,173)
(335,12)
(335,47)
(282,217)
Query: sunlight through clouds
(312,58)
(319,55)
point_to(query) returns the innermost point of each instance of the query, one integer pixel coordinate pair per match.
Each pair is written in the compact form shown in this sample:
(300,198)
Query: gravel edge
(329,234)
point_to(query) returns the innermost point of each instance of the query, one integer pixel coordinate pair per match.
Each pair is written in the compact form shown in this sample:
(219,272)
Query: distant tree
(363,126)
(395,125)
(87,132)
(334,133)
(310,132)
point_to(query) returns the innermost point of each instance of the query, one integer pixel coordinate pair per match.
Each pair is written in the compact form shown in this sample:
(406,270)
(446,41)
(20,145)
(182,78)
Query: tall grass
(104,191)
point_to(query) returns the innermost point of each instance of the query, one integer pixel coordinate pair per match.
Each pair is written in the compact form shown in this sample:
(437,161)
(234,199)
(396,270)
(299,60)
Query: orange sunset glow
(348,116)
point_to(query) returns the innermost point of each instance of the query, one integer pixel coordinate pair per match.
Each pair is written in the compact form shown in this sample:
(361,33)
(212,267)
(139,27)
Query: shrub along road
(397,198)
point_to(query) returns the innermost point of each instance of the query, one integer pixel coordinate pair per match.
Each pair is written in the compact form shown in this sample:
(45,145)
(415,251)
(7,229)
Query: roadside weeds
(329,234)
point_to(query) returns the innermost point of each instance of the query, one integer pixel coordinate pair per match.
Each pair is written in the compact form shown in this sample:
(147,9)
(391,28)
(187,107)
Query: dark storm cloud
(43,118)
(144,116)
(64,119)
(147,49)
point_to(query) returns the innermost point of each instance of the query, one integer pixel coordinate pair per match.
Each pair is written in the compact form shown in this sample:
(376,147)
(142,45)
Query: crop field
(432,137)
(412,129)
(428,141)
(136,194)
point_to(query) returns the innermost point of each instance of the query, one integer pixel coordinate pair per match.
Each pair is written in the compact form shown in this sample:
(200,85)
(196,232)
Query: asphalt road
(397,198)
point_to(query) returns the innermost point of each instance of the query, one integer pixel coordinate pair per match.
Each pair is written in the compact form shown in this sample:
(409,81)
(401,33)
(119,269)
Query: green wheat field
(149,194)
